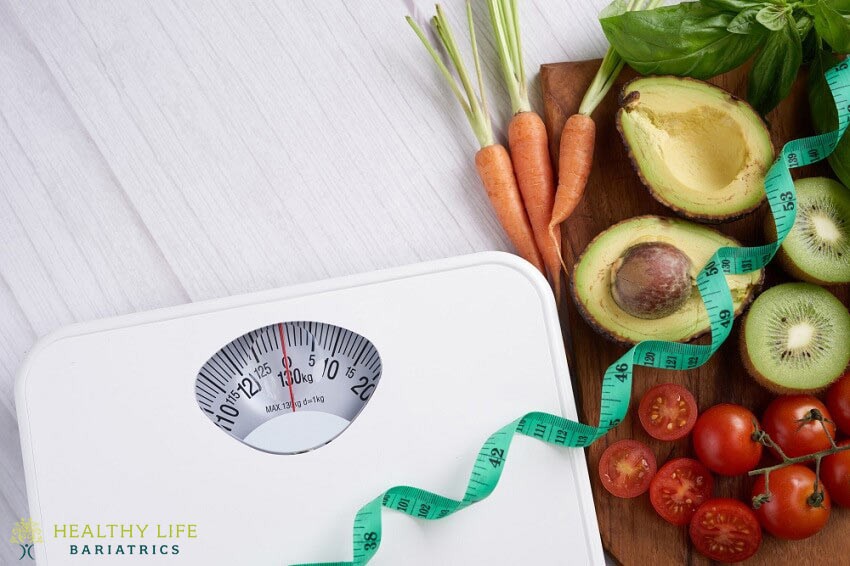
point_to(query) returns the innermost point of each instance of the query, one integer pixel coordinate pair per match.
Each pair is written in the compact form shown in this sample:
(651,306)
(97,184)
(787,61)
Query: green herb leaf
(615,8)
(811,41)
(824,116)
(840,5)
(832,22)
(775,67)
(804,24)
(745,22)
(688,39)
(732,5)
(772,17)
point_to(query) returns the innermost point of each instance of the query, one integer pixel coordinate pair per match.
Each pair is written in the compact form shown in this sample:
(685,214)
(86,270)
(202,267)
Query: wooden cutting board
(631,531)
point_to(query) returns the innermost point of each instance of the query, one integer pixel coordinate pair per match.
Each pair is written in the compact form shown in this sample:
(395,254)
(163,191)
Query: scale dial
(289,387)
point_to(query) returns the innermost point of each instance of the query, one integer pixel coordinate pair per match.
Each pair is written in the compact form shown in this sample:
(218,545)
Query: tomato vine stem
(816,498)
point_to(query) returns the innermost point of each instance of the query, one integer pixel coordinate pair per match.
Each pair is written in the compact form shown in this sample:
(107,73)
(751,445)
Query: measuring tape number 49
(617,383)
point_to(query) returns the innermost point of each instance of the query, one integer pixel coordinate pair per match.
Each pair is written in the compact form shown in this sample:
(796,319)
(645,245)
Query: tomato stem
(817,497)
(762,498)
(762,436)
(800,459)
(826,431)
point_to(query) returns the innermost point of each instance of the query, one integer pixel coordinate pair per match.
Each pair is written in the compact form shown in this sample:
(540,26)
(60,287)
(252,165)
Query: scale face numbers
(289,387)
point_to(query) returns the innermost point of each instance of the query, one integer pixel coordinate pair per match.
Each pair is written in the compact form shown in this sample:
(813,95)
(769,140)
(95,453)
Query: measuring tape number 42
(617,383)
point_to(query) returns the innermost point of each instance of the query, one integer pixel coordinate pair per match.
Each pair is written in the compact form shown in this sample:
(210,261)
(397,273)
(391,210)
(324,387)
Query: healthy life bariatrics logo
(124,539)
(26,533)
(84,540)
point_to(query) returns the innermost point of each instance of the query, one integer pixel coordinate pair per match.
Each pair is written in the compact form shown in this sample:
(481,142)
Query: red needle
(286,365)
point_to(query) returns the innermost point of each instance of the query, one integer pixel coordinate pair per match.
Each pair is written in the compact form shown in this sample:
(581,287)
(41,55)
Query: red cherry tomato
(668,411)
(838,403)
(626,468)
(835,475)
(783,422)
(723,440)
(725,530)
(679,487)
(790,512)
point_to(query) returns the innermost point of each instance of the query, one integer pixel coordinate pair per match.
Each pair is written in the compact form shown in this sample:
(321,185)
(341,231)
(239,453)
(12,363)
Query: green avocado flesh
(795,338)
(699,150)
(818,247)
(593,279)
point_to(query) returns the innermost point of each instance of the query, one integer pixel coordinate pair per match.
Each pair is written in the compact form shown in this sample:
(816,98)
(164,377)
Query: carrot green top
(612,63)
(504,17)
(474,107)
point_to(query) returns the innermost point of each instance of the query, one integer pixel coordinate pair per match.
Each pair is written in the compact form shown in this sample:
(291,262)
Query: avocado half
(592,281)
(699,150)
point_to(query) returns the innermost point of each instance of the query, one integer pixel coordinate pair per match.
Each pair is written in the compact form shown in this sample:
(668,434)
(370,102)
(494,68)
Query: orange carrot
(574,161)
(497,174)
(575,154)
(527,136)
(529,145)
(492,160)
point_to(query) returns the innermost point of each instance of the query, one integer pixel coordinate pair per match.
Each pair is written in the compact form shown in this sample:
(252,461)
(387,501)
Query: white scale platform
(111,431)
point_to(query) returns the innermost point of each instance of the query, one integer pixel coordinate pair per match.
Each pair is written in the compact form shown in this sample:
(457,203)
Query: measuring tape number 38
(617,383)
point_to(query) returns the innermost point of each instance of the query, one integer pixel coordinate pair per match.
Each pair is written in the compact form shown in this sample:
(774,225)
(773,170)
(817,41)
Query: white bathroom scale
(249,430)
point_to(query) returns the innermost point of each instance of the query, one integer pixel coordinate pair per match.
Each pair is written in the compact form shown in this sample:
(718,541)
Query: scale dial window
(289,387)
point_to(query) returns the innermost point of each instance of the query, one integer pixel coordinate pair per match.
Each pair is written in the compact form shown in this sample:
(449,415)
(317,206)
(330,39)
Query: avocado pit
(651,280)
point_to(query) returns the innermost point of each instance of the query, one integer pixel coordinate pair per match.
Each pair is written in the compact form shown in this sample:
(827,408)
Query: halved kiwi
(818,247)
(795,338)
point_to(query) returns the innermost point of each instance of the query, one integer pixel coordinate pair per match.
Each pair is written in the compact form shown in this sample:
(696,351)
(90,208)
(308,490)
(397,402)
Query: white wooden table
(155,153)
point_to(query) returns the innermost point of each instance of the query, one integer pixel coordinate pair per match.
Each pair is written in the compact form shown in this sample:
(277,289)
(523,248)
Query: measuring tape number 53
(617,383)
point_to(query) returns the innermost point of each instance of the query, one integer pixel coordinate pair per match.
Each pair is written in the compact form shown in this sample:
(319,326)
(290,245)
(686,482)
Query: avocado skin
(612,336)
(623,101)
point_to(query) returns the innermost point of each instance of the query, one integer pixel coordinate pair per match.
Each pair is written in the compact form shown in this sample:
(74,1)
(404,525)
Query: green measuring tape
(617,383)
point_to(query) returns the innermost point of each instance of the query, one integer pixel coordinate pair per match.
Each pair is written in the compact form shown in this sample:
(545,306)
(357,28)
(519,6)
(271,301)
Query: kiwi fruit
(817,249)
(795,338)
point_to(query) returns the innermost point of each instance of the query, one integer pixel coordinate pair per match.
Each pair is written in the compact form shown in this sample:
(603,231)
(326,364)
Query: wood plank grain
(160,152)
(266,127)
(71,247)
(631,530)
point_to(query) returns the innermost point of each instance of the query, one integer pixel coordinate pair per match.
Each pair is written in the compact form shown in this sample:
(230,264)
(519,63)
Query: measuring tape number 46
(617,383)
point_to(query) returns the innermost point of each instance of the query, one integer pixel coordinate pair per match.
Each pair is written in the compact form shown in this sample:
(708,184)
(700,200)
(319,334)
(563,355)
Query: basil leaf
(615,8)
(745,22)
(772,17)
(811,41)
(804,24)
(687,39)
(840,5)
(832,25)
(824,116)
(775,68)
(731,5)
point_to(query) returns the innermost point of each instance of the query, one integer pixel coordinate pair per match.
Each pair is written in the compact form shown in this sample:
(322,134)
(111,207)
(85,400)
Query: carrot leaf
(611,65)
(504,19)
(474,107)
